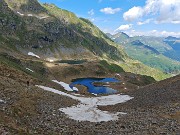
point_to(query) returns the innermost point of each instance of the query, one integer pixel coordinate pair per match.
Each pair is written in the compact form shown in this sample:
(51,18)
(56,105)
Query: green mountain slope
(155,42)
(54,33)
(148,50)
(59,32)
(174,53)
(170,46)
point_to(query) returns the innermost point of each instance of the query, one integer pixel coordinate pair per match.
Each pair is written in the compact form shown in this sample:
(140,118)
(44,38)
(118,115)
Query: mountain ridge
(71,32)
(150,51)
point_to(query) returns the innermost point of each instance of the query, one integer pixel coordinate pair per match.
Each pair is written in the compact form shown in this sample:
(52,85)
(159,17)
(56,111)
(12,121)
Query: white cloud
(91,12)
(124,27)
(153,33)
(110,10)
(144,22)
(165,11)
(133,14)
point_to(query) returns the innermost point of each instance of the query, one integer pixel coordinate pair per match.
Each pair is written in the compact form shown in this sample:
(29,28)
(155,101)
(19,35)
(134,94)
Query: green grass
(149,55)
(38,67)
(11,61)
(155,42)
(139,68)
(111,66)
(153,60)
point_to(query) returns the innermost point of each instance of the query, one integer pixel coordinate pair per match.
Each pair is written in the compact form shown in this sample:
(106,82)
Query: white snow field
(66,86)
(87,109)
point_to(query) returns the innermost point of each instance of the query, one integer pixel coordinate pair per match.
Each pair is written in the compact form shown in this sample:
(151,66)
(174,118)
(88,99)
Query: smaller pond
(73,62)
(88,82)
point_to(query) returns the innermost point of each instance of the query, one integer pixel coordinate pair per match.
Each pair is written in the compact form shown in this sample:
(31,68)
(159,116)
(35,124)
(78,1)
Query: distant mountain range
(157,52)
(174,53)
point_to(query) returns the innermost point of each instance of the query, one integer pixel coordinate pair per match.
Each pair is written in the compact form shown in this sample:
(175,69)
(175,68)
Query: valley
(60,74)
(157,52)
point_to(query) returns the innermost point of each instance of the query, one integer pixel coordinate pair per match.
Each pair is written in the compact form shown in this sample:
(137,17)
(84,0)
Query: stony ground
(30,110)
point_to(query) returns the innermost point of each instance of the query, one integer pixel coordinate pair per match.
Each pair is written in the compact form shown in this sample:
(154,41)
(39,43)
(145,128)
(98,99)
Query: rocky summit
(60,74)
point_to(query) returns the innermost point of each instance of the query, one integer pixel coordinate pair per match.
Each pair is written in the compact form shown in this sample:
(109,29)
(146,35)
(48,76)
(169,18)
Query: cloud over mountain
(155,33)
(124,27)
(164,11)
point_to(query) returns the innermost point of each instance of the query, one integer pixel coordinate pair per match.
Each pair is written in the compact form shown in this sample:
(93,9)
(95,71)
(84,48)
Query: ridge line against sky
(134,17)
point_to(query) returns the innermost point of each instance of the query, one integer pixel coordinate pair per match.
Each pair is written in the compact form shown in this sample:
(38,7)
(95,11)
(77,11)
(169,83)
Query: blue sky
(135,17)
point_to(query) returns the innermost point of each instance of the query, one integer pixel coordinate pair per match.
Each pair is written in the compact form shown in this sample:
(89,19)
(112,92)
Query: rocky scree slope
(30,110)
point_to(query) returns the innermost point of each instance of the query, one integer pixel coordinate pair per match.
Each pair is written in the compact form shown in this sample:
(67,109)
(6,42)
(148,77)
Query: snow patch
(66,86)
(42,17)
(51,59)
(20,13)
(57,92)
(117,74)
(2,101)
(83,112)
(76,94)
(29,15)
(29,69)
(94,94)
(75,89)
(87,109)
(32,54)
